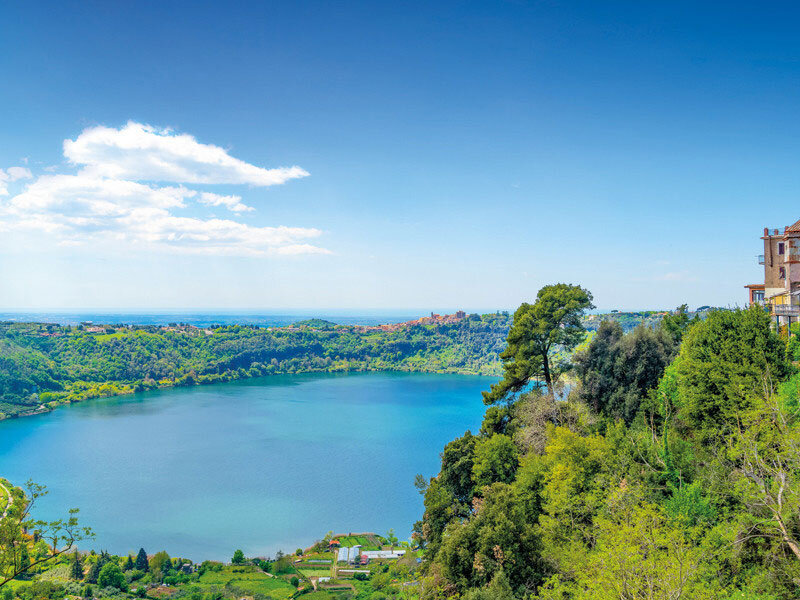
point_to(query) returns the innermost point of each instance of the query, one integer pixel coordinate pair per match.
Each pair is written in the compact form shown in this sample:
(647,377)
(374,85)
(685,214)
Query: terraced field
(250,579)
(367,542)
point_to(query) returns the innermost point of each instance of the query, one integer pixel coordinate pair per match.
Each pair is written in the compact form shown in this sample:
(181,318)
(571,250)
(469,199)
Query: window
(758,296)
(782,272)
(780,247)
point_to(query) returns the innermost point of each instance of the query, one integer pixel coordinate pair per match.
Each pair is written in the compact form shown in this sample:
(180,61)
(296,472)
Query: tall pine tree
(141,561)
(76,567)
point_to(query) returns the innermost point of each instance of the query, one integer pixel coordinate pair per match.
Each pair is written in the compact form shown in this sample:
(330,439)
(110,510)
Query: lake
(263,464)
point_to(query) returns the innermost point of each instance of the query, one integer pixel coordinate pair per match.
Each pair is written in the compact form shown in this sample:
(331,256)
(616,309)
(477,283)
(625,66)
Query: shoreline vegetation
(45,365)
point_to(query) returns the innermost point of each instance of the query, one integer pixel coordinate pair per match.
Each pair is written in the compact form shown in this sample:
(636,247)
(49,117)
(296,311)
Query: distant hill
(315,324)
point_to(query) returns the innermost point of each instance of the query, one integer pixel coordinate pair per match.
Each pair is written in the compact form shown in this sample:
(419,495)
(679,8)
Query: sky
(431,155)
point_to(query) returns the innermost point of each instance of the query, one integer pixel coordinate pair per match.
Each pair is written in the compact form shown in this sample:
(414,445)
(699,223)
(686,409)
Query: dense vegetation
(47,364)
(671,470)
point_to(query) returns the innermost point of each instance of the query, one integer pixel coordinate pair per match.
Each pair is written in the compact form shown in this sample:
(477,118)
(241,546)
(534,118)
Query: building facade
(780,291)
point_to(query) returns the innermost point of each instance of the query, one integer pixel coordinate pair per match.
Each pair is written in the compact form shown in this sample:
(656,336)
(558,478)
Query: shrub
(111,576)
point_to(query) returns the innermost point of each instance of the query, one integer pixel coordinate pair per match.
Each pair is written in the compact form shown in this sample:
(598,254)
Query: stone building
(781,288)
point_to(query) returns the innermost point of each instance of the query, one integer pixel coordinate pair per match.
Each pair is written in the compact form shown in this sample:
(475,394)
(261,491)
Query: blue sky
(448,154)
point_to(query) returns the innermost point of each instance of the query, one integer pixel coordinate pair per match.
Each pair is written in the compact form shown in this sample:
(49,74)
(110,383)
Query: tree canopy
(672,470)
(552,322)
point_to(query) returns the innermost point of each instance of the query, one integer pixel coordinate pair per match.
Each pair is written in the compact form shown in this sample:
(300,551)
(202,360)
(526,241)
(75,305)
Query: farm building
(373,554)
(348,555)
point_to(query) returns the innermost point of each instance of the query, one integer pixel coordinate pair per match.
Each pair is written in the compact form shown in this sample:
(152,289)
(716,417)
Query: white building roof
(383,553)
(347,554)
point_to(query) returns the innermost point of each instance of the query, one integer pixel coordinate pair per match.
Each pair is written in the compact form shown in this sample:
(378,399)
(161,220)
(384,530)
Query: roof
(794,228)
(346,554)
(383,553)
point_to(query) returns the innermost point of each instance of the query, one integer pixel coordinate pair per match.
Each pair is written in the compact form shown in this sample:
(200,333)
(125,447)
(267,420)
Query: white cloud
(15,173)
(217,236)
(143,153)
(82,194)
(118,196)
(12,174)
(78,208)
(233,203)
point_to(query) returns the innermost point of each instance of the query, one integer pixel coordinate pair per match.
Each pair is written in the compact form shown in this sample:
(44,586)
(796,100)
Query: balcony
(786,310)
(761,259)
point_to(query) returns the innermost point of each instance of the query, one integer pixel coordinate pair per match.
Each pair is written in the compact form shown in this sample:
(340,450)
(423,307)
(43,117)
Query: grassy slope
(250,579)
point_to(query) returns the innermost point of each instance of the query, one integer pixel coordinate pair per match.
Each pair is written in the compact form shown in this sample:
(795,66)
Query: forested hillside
(671,470)
(42,364)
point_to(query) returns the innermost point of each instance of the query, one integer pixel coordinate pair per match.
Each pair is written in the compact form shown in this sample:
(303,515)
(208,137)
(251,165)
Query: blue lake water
(265,464)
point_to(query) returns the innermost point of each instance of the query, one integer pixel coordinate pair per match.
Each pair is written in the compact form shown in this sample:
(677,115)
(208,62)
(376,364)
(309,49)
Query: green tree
(725,364)
(440,508)
(456,472)
(61,535)
(111,576)
(764,459)
(636,554)
(618,370)
(596,365)
(571,479)
(677,323)
(141,561)
(24,559)
(94,570)
(129,564)
(498,589)
(496,460)
(496,537)
(76,566)
(238,558)
(161,562)
(392,538)
(550,323)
